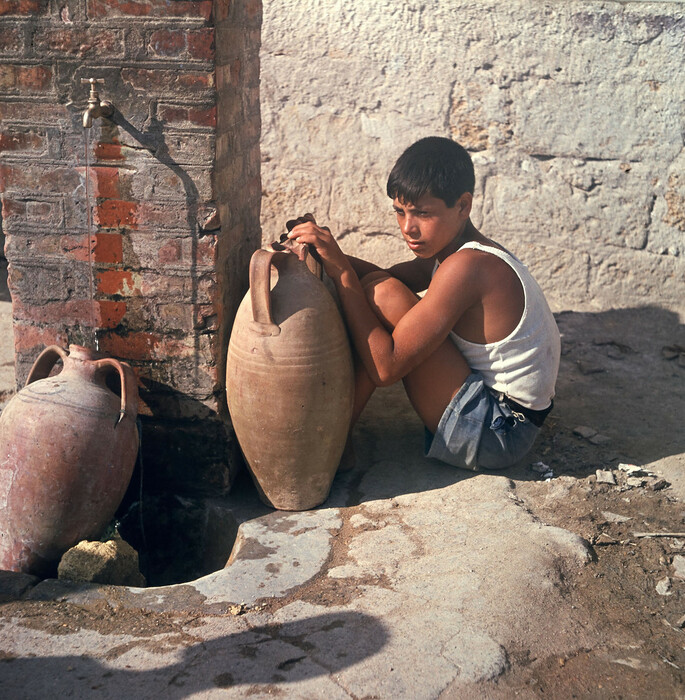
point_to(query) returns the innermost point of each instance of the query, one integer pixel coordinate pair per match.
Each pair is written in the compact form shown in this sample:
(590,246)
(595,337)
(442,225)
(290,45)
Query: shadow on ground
(274,653)
(613,379)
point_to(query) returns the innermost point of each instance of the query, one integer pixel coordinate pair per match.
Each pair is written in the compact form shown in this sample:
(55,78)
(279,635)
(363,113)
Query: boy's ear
(465,202)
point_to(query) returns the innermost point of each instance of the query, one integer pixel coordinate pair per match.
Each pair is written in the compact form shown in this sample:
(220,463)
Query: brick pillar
(167,270)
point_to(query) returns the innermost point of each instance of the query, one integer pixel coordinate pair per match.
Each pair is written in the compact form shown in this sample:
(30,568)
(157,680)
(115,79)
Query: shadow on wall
(278,653)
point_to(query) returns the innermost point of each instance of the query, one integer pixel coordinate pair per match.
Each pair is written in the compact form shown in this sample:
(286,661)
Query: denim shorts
(477,431)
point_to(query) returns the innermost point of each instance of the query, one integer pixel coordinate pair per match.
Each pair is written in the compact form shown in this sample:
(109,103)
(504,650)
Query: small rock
(540,467)
(615,517)
(681,622)
(599,439)
(587,368)
(113,562)
(605,476)
(603,539)
(679,566)
(584,432)
(659,485)
(544,470)
(632,469)
(670,352)
(635,482)
(664,587)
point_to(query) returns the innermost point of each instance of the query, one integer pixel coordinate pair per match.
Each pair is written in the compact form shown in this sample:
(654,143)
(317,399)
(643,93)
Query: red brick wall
(168,270)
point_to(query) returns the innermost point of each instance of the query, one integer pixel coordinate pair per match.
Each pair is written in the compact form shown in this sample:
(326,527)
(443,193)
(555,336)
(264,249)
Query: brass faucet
(96,107)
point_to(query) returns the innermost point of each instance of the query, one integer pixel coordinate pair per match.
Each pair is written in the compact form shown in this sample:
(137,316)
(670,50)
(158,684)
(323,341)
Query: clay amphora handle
(45,362)
(260,291)
(128,390)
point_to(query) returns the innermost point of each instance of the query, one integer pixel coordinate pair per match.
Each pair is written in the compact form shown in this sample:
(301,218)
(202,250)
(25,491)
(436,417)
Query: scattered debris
(638,664)
(588,369)
(584,432)
(679,566)
(633,470)
(544,470)
(605,476)
(664,586)
(603,539)
(239,609)
(671,352)
(614,346)
(659,534)
(659,485)
(615,517)
(591,435)
(635,482)
(598,439)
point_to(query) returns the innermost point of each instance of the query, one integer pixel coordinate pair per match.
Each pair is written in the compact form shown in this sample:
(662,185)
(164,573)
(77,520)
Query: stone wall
(162,277)
(573,112)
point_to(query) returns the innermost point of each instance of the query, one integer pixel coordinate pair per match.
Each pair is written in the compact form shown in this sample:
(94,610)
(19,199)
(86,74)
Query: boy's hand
(304,229)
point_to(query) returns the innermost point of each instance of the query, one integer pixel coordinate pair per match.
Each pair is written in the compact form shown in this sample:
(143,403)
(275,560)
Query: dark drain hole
(179,539)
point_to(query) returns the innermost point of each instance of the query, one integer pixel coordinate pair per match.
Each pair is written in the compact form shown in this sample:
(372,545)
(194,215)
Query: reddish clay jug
(68,445)
(289,382)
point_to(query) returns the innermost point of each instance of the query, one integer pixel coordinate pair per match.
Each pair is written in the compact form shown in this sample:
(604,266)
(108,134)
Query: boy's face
(429,225)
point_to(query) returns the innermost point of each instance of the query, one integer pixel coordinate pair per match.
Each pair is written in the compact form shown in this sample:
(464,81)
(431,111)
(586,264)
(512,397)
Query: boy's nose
(409,226)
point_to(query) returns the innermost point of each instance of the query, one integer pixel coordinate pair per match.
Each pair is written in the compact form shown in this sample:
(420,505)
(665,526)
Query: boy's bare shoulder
(474,269)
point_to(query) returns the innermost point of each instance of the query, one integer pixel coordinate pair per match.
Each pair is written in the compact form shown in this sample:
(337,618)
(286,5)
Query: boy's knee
(374,278)
(377,285)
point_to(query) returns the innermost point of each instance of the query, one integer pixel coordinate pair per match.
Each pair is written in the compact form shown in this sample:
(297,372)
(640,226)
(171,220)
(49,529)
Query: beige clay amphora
(68,445)
(290,382)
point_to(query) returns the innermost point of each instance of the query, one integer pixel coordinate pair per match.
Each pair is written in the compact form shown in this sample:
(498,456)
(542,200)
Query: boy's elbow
(382,379)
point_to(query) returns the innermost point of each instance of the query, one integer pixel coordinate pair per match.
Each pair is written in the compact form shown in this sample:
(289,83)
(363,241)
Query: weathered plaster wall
(573,112)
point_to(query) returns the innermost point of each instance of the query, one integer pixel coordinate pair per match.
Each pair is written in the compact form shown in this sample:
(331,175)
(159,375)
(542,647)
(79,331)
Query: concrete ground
(414,579)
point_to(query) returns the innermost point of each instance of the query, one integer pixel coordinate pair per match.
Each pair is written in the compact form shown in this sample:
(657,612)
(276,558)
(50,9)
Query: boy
(479,352)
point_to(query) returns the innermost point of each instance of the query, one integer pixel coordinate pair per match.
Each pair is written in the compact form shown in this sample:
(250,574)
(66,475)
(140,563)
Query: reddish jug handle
(45,362)
(260,291)
(128,389)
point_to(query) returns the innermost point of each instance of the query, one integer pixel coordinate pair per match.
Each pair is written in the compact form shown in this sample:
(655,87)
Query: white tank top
(523,365)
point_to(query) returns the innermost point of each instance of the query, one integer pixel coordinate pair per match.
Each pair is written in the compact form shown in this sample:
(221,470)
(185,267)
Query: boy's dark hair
(434,165)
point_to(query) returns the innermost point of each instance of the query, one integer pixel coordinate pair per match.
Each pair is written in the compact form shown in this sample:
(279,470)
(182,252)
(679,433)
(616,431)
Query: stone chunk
(679,566)
(663,586)
(635,482)
(615,517)
(598,439)
(584,431)
(633,469)
(113,562)
(605,476)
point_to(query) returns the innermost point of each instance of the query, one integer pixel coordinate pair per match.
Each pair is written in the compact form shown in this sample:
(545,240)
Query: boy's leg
(431,385)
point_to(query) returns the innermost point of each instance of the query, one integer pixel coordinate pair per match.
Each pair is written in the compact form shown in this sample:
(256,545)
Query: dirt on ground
(618,418)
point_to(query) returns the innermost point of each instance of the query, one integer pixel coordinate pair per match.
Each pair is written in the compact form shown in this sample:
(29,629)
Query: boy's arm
(388,357)
(415,274)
